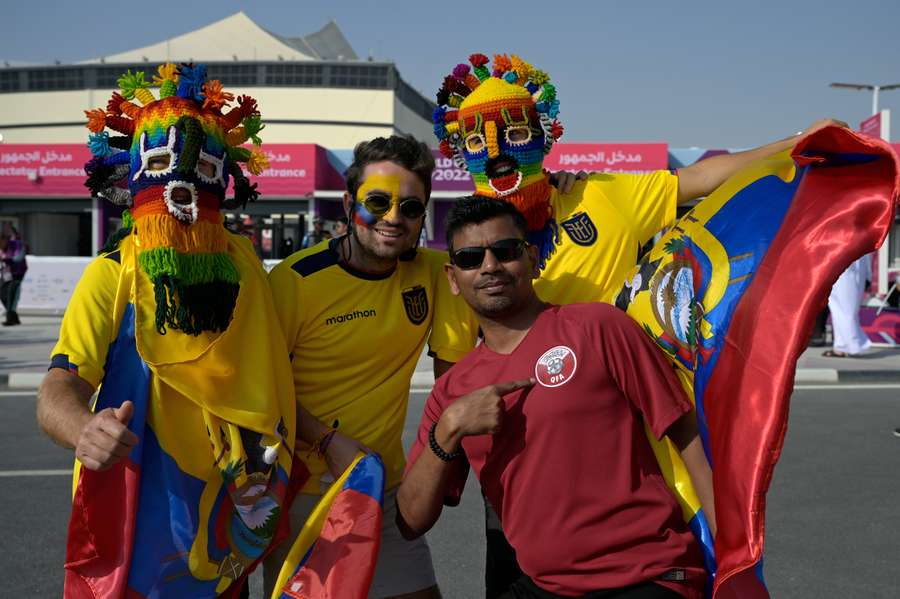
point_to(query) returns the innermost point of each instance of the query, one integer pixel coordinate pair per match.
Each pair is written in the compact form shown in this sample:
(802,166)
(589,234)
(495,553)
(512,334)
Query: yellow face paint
(379,196)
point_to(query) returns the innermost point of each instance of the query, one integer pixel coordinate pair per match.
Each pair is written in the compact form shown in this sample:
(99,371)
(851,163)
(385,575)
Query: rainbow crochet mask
(177,155)
(499,125)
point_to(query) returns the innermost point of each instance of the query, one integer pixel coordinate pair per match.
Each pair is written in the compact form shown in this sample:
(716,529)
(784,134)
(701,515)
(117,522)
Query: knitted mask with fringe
(499,124)
(176,155)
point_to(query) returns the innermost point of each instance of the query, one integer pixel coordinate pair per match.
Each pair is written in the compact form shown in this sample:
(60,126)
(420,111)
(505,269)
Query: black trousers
(524,588)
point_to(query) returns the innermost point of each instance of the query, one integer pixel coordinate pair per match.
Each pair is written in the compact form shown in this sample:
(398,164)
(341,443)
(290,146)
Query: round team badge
(556,367)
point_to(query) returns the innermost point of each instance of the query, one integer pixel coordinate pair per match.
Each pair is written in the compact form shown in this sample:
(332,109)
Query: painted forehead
(380,183)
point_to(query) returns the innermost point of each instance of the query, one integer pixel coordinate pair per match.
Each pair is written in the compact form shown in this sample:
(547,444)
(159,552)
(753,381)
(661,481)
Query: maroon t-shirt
(571,473)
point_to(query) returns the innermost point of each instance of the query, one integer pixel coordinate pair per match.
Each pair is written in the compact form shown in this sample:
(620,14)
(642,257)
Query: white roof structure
(239,38)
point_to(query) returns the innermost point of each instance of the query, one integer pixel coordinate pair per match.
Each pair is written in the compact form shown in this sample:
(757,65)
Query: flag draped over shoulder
(198,501)
(731,293)
(335,553)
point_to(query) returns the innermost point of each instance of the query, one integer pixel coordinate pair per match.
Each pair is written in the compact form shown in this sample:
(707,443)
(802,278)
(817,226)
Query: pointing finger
(505,388)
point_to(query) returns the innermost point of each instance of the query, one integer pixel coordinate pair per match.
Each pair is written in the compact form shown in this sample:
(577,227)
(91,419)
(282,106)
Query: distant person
(340,226)
(849,338)
(550,413)
(316,235)
(14,267)
(286,248)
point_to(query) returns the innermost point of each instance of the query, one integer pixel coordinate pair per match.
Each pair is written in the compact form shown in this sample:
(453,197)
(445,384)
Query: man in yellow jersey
(187,452)
(499,121)
(356,312)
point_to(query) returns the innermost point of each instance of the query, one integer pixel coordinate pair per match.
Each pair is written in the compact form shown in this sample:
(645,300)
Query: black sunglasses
(378,205)
(504,250)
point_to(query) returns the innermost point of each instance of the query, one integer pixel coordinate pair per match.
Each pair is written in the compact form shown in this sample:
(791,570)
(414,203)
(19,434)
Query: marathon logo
(355,315)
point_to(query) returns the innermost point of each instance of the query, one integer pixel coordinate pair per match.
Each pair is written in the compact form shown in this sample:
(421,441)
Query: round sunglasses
(378,205)
(504,250)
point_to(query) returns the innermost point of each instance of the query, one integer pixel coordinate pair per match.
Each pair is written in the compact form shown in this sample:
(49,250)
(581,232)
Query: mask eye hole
(159,163)
(475,143)
(206,168)
(518,135)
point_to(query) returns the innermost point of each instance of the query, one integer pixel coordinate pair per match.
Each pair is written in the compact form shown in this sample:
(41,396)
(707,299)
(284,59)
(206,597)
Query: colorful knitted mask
(177,155)
(499,126)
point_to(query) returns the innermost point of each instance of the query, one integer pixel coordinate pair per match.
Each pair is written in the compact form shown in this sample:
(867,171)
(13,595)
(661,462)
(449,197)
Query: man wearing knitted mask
(499,121)
(184,462)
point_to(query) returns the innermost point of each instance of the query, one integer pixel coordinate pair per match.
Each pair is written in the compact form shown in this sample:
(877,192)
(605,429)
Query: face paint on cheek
(363,217)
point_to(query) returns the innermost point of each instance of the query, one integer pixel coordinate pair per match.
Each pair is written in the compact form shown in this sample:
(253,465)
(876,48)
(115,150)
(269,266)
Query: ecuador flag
(730,293)
(197,503)
(335,553)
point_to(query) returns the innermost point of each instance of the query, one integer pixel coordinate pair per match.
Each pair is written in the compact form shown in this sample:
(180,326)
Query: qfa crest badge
(415,301)
(581,229)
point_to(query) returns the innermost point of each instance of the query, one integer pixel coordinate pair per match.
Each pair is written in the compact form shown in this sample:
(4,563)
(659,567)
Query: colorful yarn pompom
(190,81)
(133,85)
(96,120)
(167,80)
(114,106)
(253,125)
(215,96)
(257,163)
(522,68)
(502,64)
(538,77)
(445,148)
(99,144)
(556,129)
(478,60)
(460,71)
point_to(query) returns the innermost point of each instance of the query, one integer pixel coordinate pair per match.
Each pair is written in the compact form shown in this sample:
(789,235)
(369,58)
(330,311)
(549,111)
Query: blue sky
(695,73)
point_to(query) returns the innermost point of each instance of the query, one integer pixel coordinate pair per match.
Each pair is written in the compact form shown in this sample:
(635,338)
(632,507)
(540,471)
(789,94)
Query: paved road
(833,525)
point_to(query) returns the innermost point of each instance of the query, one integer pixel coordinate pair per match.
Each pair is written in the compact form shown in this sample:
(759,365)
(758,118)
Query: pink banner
(58,170)
(608,157)
(43,170)
(871,126)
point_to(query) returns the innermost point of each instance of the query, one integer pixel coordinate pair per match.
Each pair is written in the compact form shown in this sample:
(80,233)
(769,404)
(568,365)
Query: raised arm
(701,178)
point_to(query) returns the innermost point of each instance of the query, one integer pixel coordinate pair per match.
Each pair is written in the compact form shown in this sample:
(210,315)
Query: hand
(478,413)
(564,181)
(105,439)
(819,124)
(341,451)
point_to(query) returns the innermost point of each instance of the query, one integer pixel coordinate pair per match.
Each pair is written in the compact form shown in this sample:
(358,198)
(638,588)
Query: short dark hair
(405,150)
(475,209)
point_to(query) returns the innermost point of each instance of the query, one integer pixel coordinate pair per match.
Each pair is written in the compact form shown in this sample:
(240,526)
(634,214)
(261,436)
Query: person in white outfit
(844,301)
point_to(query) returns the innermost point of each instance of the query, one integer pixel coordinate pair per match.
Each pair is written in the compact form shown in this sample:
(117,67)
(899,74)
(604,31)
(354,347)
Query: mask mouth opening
(501,166)
(181,200)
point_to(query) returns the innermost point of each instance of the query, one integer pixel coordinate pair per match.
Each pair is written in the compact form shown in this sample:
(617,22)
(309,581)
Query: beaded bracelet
(437,450)
(321,445)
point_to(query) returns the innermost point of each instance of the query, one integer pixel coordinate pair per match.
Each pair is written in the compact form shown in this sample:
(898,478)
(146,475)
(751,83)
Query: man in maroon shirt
(550,412)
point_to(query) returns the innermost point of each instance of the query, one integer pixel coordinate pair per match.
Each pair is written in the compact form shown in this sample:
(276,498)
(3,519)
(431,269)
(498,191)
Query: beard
(195,282)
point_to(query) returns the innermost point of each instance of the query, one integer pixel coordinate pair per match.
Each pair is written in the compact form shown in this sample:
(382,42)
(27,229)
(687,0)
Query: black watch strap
(437,450)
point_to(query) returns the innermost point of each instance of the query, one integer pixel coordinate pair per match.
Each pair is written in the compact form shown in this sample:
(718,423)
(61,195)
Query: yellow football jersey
(355,338)
(603,222)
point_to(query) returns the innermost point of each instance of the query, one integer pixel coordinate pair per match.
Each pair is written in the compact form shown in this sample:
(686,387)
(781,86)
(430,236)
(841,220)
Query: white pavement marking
(23,393)
(11,473)
(845,386)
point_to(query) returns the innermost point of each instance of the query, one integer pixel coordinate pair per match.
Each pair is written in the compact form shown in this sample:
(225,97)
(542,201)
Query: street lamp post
(874,89)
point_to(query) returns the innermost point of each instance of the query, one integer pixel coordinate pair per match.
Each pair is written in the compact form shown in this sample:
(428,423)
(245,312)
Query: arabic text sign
(43,170)
(291,172)
(608,157)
